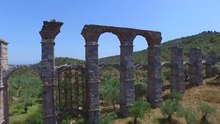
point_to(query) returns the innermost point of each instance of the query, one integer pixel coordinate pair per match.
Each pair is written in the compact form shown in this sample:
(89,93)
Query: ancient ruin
(177,70)
(195,66)
(55,109)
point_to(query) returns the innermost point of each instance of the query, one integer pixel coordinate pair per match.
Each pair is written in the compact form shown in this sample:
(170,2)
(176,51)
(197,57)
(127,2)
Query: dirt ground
(208,93)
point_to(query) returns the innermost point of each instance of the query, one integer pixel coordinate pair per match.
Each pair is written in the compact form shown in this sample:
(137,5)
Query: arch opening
(25,96)
(109,59)
(70,94)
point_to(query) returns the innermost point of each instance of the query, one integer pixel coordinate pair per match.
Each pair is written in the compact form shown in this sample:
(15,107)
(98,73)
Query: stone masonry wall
(3,67)
(195,69)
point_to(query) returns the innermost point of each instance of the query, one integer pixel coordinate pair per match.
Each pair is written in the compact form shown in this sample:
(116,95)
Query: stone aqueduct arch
(126,36)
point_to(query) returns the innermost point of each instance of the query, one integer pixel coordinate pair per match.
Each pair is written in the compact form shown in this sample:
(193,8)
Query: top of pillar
(50,30)
(3,42)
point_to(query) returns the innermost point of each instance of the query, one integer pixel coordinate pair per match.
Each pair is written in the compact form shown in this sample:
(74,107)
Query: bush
(139,109)
(188,114)
(107,118)
(171,106)
(175,95)
(205,109)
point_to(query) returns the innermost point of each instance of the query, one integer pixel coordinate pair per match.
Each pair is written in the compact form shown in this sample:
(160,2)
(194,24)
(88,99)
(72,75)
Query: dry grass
(193,97)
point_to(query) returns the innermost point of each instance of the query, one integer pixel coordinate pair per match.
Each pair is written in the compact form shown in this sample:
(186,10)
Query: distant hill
(66,60)
(208,41)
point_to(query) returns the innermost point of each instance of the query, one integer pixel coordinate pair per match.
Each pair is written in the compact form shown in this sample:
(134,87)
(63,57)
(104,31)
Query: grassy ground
(33,115)
(208,93)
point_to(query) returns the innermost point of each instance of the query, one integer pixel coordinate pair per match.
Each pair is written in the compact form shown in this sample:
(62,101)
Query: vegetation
(189,115)
(25,93)
(107,118)
(208,41)
(205,109)
(110,91)
(171,106)
(139,109)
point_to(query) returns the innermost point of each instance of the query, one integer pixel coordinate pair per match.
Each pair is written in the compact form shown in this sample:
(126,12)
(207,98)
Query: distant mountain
(208,41)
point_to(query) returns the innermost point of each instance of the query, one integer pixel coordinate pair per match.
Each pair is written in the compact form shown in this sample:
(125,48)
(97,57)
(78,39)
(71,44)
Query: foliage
(140,90)
(165,74)
(24,87)
(206,109)
(138,110)
(208,41)
(65,60)
(188,114)
(33,116)
(175,95)
(107,118)
(171,106)
(109,90)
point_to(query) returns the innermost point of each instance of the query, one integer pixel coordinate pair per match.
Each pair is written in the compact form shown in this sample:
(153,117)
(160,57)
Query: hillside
(208,41)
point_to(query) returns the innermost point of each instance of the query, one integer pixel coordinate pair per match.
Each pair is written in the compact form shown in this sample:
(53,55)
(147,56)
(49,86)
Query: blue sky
(21,21)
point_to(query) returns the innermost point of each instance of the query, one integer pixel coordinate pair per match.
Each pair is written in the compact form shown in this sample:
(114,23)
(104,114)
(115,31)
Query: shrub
(205,109)
(107,118)
(139,109)
(188,114)
(170,107)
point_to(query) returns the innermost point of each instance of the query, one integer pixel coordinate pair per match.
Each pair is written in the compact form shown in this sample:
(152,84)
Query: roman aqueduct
(48,72)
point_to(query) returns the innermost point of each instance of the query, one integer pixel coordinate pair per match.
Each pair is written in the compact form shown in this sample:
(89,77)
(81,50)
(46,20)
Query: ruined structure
(48,34)
(126,36)
(177,70)
(3,68)
(46,72)
(89,74)
(210,69)
(195,66)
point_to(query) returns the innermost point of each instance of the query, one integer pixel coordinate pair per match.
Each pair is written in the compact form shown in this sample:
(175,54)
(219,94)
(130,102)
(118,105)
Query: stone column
(92,78)
(195,69)
(5,101)
(154,86)
(3,86)
(48,33)
(210,69)
(177,70)
(127,94)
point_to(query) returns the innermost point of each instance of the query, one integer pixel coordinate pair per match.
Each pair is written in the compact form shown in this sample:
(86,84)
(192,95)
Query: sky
(21,21)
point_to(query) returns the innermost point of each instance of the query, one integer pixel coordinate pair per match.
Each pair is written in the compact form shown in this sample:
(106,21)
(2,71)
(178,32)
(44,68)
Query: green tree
(171,106)
(138,110)
(25,86)
(109,90)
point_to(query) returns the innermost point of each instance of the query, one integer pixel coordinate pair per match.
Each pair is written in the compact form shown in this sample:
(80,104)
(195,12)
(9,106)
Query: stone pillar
(5,101)
(154,86)
(92,78)
(177,70)
(3,86)
(210,69)
(127,94)
(48,33)
(195,69)
(4,55)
